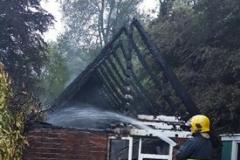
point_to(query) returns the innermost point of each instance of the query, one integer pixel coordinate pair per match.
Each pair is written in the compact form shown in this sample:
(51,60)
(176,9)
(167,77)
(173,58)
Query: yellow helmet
(199,124)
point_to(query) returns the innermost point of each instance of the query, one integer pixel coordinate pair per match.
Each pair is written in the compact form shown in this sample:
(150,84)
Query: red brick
(65,144)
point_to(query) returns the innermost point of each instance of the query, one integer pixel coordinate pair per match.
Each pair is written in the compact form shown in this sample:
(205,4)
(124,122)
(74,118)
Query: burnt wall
(65,144)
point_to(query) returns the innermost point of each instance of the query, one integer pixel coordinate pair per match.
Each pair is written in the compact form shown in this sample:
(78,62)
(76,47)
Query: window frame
(142,156)
(130,145)
(235,148)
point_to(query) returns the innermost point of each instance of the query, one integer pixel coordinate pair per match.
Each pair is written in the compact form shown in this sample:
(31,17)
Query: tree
(54,75)
(93,23)
(201,43)
(165,7)
(22,48)
(220,20)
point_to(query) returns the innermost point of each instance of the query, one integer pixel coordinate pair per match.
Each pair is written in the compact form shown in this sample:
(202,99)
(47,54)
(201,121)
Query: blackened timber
(114,74)
(107,92)
(111,84)
(124,73)
(132,80)
(152,76)
(145,65)
(110,88)
(143,91)
(116,69)
(136,82)
(113,77)
(120,64)
(136,90)
(110,98)
(180,91)
(78,82)
(107,97)
(111,95)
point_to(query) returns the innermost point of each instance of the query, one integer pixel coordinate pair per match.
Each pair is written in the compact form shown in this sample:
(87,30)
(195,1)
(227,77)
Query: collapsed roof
(129,75)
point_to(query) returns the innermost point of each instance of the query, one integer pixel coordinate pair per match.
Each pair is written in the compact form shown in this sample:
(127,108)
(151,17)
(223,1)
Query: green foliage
(12,140)
(93,23)
(54,76)
(201,43)
(64,62)
(22,48)
(220,21)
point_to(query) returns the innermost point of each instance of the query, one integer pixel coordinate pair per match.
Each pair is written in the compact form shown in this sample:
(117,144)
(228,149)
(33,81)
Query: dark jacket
(197,147)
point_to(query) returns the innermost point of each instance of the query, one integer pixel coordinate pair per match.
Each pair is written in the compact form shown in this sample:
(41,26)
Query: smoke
(74,66)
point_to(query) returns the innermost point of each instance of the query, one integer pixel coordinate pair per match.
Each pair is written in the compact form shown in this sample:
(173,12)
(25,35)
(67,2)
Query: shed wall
(65,144)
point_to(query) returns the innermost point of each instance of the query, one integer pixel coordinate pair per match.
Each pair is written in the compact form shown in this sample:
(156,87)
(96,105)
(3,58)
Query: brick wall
(65,144)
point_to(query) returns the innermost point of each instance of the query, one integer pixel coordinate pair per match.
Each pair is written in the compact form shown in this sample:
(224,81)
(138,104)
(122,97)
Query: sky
(54,8)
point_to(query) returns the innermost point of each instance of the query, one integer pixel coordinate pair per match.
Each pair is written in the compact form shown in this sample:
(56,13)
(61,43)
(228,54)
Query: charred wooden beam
(110,82)
(110,88)
(152,76)
(142,90)
(113,78)
(180,91)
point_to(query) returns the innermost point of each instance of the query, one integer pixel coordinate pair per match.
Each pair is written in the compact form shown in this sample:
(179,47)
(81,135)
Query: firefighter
(199,147)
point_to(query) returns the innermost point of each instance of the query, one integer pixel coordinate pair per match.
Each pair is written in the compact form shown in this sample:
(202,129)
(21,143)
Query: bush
(12,140)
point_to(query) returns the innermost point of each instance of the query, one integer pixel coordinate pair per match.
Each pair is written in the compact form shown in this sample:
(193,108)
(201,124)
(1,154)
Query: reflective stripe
(196,159)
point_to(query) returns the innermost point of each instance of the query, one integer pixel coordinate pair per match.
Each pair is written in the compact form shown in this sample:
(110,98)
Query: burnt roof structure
(129,74)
